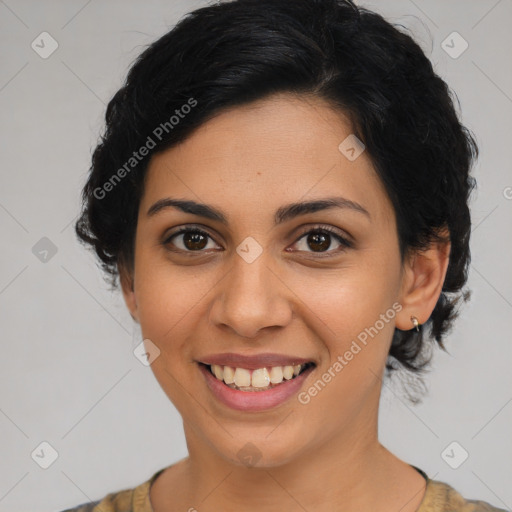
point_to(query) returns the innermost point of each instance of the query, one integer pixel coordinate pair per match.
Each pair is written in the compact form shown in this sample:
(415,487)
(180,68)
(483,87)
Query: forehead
(253,158)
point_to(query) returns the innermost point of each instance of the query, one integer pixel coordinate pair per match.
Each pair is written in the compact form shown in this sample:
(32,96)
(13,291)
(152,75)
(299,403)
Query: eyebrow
(283,214)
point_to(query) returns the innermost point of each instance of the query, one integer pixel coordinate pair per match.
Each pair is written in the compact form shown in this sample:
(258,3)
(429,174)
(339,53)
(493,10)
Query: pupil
(319,238)
(192,240)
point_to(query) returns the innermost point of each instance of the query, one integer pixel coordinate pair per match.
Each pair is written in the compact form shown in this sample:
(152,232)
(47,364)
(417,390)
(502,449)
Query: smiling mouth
(261,379)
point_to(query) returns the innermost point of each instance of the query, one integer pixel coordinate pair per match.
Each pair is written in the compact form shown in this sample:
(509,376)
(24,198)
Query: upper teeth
(259,378)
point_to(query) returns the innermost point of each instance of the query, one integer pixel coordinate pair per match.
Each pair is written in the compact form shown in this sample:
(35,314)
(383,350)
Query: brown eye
(320,239)
(192,240)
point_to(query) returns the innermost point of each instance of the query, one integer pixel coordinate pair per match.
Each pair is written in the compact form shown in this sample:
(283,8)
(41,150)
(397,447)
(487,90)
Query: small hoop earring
(415,322)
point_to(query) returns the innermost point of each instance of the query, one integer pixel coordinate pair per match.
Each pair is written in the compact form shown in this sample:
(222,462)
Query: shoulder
(441,497)
(113,502)
(126,500)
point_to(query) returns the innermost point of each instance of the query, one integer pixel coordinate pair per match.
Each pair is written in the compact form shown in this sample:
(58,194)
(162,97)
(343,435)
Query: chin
(258,452)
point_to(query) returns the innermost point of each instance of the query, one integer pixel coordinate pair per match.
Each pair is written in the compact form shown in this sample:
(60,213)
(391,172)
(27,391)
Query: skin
(248,162)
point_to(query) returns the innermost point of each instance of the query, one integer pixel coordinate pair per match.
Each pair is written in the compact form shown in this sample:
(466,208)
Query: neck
(345,472)
(319,476)
(344,469)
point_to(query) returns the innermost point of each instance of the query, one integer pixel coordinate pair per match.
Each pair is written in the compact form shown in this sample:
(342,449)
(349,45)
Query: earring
(415,322)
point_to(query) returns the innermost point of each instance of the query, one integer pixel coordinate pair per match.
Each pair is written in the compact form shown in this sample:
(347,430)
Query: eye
(189,239)
(320,239)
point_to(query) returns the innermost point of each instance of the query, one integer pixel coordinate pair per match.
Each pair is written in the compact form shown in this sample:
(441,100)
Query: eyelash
(320,229)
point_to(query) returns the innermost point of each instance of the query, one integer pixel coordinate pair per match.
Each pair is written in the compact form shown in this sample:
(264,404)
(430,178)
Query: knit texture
(439,497)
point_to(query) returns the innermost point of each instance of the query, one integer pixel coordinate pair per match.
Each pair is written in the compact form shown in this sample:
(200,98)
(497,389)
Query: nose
(251,298)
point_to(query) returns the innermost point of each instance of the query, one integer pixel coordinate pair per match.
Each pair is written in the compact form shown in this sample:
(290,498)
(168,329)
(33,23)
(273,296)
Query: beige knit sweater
(439,497)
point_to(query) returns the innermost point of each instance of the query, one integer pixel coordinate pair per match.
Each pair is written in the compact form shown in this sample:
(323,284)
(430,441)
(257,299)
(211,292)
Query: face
(321,285)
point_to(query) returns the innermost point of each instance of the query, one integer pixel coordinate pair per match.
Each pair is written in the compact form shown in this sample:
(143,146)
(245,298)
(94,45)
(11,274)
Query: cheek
(352,297)
(358,305)
(169,300)
(360,318)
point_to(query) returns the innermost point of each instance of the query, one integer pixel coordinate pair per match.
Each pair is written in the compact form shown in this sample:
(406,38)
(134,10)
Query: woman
(282,190)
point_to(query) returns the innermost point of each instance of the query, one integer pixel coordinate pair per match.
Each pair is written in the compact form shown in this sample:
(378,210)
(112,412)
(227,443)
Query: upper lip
(253,362)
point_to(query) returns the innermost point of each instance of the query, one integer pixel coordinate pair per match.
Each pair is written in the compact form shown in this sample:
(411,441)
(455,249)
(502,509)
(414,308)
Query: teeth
(260,378)
(276,374)
(229,375)
(217,371)
(287,372)
(242,377)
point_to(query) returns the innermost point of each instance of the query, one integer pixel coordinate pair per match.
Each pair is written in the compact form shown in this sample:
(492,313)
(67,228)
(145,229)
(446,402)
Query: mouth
(254,382)
(257,379)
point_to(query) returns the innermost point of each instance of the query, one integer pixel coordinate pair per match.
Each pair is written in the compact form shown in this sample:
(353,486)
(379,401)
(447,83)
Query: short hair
(236,52)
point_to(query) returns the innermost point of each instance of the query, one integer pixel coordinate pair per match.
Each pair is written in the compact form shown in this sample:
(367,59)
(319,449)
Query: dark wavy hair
(235,52)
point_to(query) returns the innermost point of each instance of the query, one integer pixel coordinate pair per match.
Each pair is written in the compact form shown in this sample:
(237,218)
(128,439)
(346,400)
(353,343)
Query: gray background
(68,374)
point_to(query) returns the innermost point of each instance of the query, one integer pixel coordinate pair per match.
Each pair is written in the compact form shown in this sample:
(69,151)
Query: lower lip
(253,400)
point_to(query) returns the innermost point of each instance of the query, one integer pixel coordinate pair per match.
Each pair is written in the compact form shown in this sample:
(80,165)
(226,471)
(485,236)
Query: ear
(127,287)
(422,282)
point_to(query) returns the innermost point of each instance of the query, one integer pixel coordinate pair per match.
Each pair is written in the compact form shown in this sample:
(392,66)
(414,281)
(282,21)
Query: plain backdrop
(67,370)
